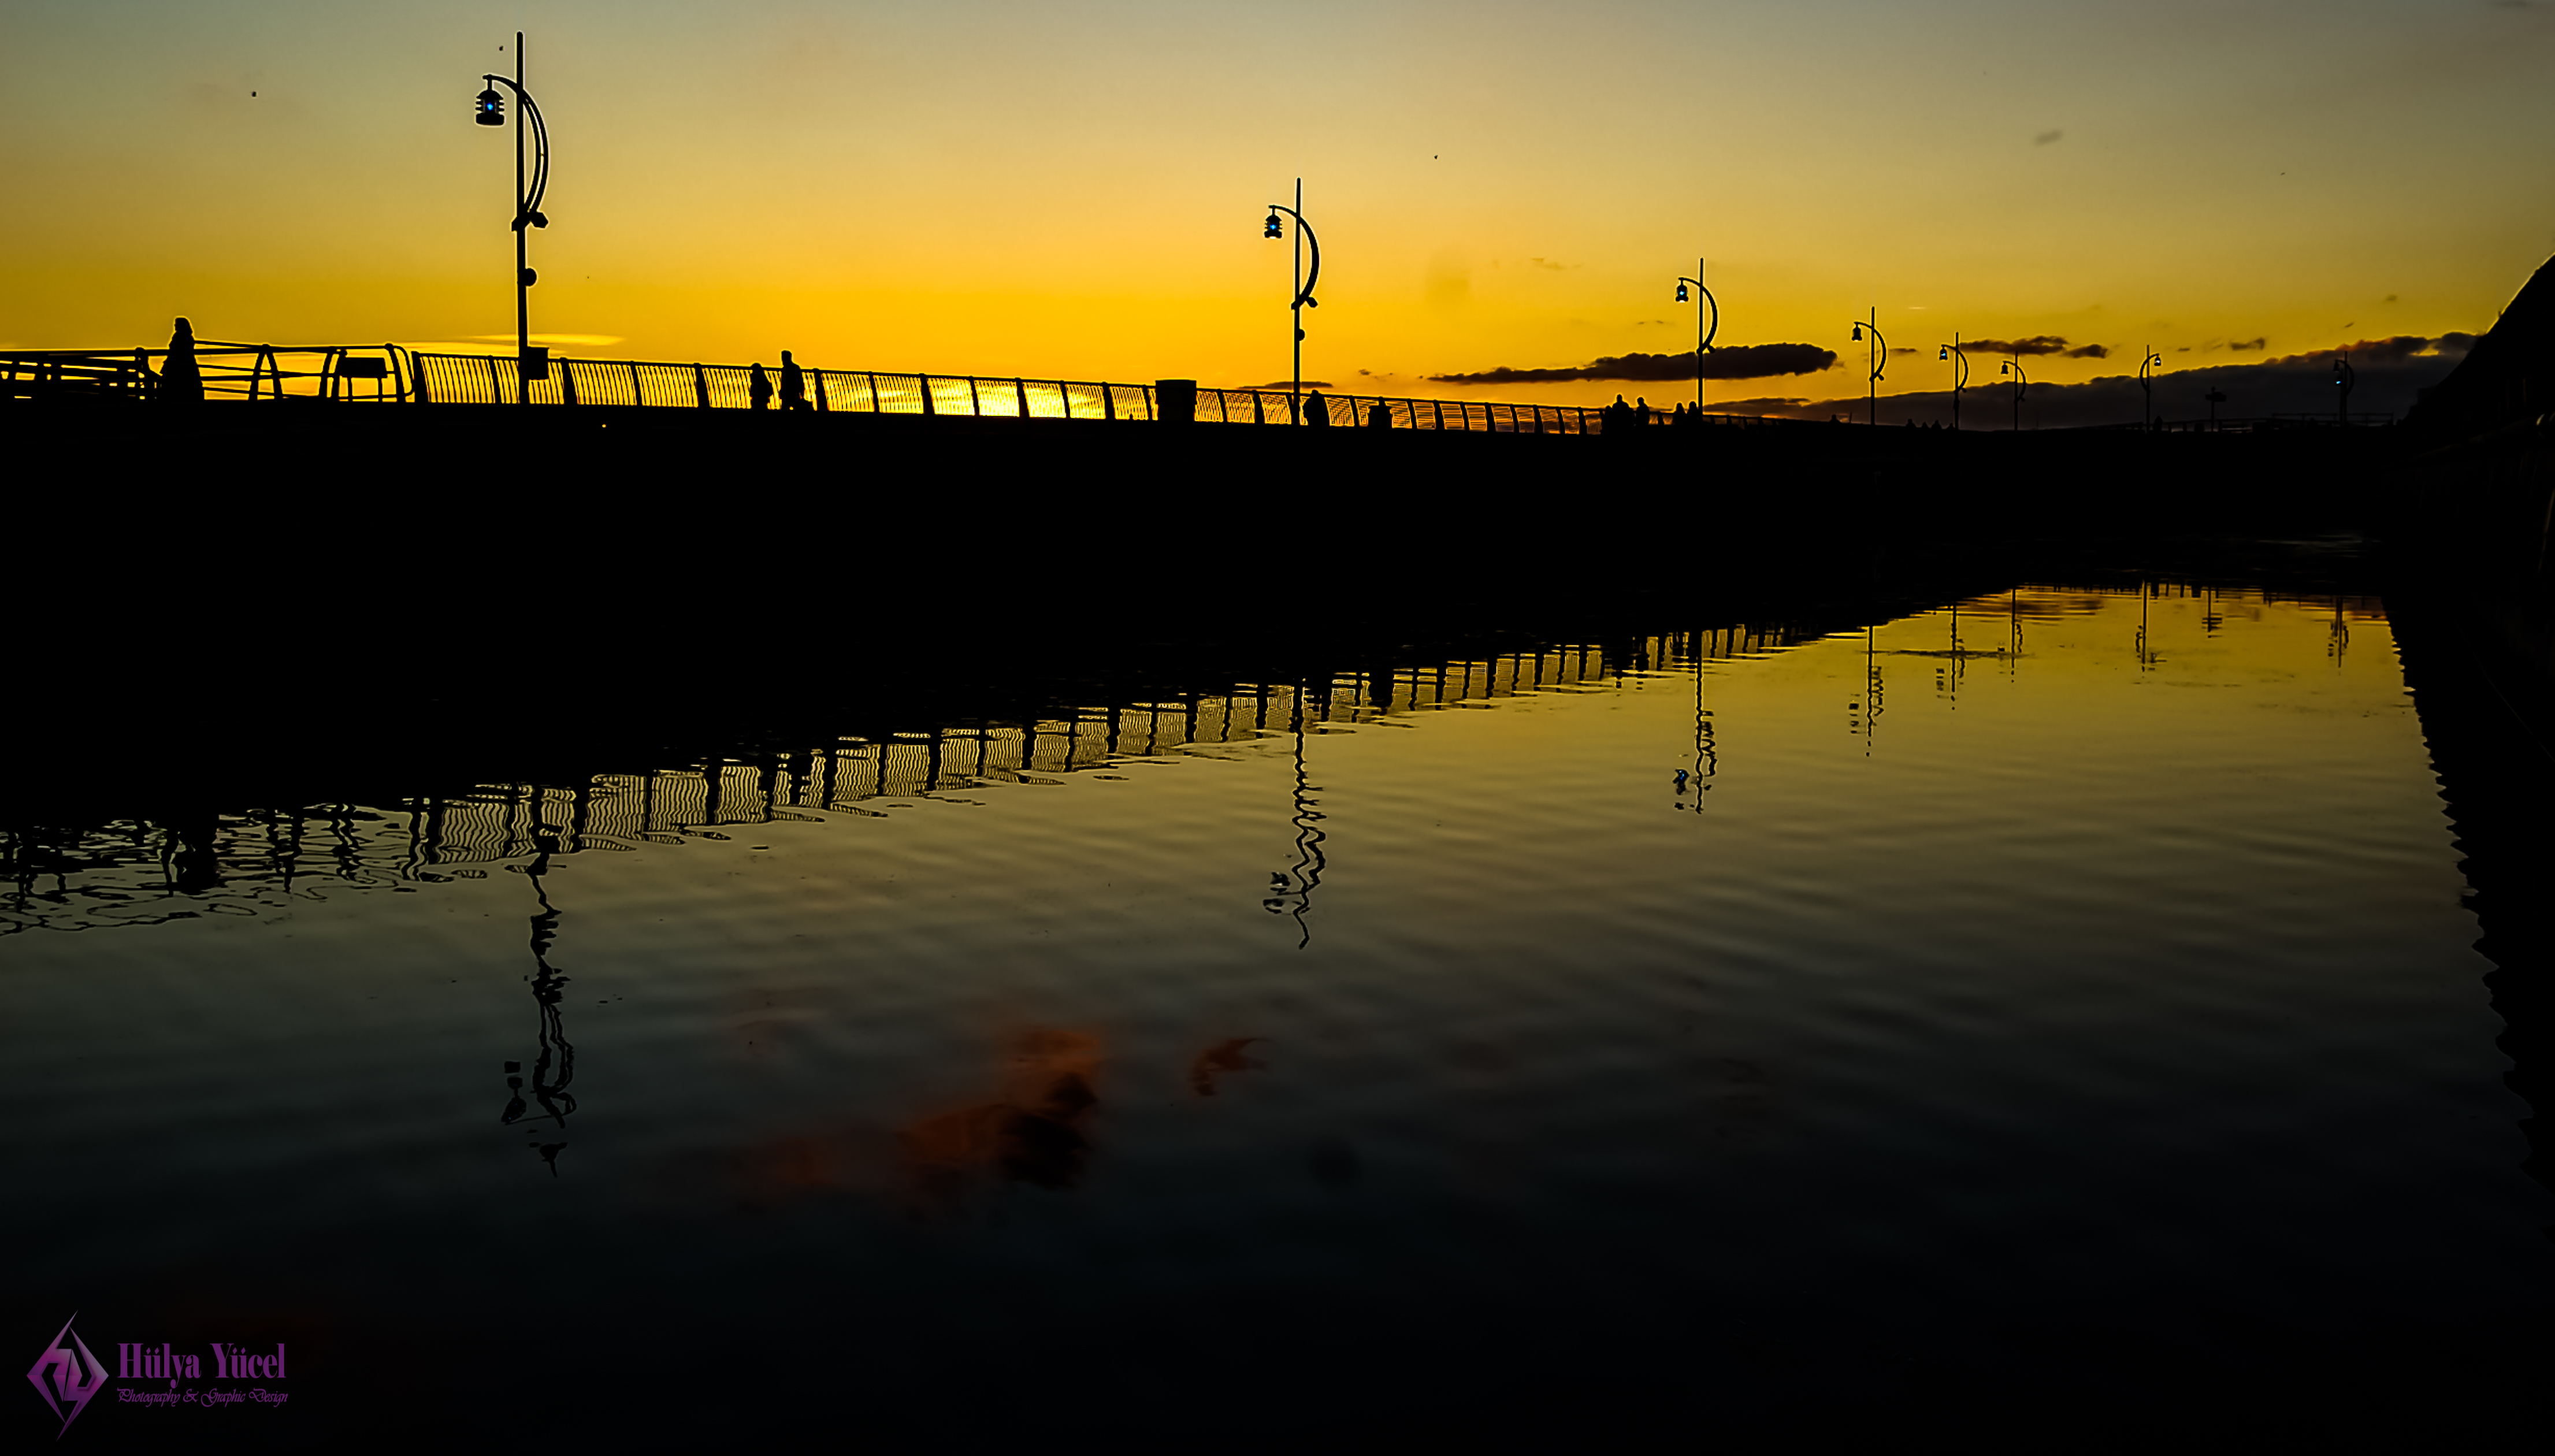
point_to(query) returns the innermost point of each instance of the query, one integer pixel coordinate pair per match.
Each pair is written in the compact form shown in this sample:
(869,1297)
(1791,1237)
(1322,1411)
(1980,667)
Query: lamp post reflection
(1710,310)
(555,1062)
(1292,892)
(1707,754)
(1276,228)
(1875,352)
(527,208)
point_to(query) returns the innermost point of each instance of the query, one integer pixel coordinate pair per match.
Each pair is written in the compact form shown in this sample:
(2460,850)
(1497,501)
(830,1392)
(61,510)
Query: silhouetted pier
(392,374)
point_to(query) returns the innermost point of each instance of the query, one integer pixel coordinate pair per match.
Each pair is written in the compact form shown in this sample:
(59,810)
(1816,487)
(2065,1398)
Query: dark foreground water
(2058,1008)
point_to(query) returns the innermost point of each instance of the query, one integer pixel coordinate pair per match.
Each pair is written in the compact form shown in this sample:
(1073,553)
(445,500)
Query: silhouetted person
(1617,416)
(758,390)
(1641,409)
(1377,416)
(181,381)
(1317,411)
(793,385)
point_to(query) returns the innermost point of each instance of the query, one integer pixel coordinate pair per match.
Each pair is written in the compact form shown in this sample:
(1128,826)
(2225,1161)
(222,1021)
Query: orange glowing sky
(1076,191)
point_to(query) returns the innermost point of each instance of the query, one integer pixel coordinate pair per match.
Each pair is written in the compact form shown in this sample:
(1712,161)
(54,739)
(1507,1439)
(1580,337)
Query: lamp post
(2343,377)
(2147,361)
(1703,335)
(2022,382)
(1305,299)
(527,208)
(1959,373)
(1875,351)
(2215,400)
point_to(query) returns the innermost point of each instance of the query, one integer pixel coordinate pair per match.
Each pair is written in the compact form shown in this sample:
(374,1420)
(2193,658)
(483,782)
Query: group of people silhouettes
(1620,416)
(793,386)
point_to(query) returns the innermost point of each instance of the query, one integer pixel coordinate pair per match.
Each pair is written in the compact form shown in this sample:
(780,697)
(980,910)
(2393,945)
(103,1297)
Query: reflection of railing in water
(144,872)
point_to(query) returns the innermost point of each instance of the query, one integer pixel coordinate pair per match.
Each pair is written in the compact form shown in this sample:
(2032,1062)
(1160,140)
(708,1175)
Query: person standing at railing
(758,390)
(793,384)
(1317,411)
(1377,416)
(182,380)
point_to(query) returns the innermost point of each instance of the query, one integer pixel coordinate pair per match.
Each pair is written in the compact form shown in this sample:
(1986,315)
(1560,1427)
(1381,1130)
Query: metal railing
(492,379)
(365,372)
(391,373)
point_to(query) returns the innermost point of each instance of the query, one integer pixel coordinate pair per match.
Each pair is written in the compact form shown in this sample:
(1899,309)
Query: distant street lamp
(2343,377)
(1959,373)
(1875,352)
(2215,400)
(528,211)
(2014,366)
(1303,286)
(1703,335)
(2146,389)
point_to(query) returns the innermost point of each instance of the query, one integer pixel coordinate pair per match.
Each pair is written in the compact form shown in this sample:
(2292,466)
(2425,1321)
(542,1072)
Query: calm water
(2062,994)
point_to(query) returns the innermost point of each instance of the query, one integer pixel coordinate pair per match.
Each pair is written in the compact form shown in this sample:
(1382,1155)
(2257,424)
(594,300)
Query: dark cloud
(2249,347)
(2047,137)
(2038,344)
(2400,349)
(1740,361)
(1283,384)
(2089,351)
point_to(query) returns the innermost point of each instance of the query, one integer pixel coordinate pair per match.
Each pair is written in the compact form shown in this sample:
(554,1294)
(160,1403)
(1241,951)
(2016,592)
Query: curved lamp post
(1276,228)
(1960,374)
(527,208)
(2343,377)
(2146,388)
(1703,335)
(1875,351)
(2014,366)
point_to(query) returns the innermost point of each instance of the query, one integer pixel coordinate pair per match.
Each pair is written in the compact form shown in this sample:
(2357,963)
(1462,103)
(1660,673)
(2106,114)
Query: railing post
(1257,416)
(1108,402)
(638,396)
(1021,388)
(567,382)
(975,406)
(701,385)
(822,408)
(875,406)
(496,383)
(927,407)
(1066,395)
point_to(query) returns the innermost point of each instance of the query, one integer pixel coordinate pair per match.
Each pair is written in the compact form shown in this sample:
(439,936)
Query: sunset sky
(1076,190)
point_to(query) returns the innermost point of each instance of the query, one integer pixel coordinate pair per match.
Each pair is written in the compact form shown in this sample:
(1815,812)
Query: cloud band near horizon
(1740,361)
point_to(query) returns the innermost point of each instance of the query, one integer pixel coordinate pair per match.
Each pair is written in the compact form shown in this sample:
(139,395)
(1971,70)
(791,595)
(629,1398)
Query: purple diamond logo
(66,1377)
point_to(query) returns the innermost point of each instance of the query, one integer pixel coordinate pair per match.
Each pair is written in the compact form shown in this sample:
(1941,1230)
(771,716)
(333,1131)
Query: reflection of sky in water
(2069,956)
